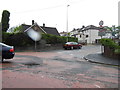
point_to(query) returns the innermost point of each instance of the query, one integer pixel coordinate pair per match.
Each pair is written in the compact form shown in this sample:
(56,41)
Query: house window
(86,36)
(80,36)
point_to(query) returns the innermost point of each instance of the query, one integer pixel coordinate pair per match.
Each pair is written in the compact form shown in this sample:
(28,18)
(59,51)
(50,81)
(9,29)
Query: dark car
(72,45)
(6,51)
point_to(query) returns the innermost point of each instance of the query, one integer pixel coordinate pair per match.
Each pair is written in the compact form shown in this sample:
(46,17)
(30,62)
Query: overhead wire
(46,8)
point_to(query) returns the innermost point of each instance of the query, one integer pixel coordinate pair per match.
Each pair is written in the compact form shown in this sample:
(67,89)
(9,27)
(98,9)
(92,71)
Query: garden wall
(110,52)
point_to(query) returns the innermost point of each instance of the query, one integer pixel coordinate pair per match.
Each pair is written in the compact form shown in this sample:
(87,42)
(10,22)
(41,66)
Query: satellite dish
(34,35)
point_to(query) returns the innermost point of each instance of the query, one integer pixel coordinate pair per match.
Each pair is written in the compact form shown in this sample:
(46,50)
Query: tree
(5,20)
(16,29)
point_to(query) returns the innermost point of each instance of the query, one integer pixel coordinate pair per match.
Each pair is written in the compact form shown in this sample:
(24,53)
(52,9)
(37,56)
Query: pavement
(99,58)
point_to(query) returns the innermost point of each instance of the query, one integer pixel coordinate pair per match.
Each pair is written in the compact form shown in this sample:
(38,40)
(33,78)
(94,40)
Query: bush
(110,43)
(18,39)
(53,39)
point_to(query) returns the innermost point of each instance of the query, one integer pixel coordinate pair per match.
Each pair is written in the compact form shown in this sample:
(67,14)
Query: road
(58,69)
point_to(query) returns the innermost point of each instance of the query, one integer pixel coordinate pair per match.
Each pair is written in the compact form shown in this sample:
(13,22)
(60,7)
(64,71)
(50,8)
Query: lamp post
(67,22)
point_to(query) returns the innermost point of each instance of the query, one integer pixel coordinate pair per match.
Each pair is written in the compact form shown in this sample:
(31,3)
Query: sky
(54,12)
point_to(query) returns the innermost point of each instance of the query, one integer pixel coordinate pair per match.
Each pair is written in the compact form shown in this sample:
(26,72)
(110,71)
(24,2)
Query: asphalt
(99,58)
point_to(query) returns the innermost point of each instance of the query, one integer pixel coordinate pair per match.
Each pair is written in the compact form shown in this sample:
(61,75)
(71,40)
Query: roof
(24,27)
(50,30)
(91,27)
(63,32)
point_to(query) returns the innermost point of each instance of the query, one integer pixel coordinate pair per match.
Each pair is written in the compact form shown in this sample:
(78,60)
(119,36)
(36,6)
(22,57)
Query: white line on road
(97,86)
(71,54)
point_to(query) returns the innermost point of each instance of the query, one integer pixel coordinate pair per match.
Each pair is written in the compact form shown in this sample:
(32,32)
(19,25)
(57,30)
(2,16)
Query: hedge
(110,43)
(22,39)
(18,39)
(53,39)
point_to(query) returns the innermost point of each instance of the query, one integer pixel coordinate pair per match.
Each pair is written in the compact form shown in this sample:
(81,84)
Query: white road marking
(59,52)
(97,86)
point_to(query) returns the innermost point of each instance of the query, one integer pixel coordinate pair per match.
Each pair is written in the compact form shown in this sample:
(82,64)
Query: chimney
(43,24)
(33,22)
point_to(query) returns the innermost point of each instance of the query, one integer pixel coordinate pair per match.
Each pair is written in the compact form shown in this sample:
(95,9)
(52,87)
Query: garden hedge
(111,44)
(22,39)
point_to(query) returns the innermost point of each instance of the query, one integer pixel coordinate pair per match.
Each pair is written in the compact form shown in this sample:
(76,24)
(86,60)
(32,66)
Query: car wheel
(65,48)
(71,47)
(79,47)
(2,60)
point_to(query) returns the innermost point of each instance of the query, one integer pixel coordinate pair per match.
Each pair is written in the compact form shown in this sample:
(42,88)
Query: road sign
(34,35)
(101,23)
(101,32)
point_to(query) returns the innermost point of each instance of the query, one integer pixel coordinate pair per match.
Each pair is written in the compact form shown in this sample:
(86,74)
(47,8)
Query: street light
(67,22)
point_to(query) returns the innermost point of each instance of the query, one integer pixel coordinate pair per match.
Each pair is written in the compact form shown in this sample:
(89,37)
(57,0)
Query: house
(50,30)
(74,33)
(63,33)
(89,34)
(42,29)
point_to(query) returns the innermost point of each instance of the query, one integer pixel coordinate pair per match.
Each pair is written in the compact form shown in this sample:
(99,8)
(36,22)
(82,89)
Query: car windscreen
(69,43)
(75,43)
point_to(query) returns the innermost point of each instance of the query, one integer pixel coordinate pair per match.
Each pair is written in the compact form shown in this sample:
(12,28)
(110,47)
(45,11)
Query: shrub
(18,39)
(53,39)
(110,43)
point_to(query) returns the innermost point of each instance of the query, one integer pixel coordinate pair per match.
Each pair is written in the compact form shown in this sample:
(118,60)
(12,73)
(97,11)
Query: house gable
(35,27)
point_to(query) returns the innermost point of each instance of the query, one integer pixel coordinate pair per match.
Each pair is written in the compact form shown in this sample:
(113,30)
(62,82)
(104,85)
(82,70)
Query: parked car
(6,51)
(72,45)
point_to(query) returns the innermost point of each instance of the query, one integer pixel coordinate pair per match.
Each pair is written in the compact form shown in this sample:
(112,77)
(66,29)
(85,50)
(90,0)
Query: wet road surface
(58,69)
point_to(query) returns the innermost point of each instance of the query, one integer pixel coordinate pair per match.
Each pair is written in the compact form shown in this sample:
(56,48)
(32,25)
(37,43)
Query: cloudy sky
(54,12)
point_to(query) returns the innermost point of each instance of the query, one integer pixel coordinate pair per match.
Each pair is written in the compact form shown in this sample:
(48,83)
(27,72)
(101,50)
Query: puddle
(30,64)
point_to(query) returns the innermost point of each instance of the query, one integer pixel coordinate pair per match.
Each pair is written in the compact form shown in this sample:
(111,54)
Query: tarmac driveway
(58,69)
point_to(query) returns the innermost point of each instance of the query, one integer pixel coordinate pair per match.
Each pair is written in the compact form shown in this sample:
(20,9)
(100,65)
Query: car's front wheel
(2,60)
(79,47)
(71,47)
(65,48)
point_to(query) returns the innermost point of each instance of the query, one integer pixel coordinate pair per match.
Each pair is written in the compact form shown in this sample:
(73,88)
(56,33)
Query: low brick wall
(109,52)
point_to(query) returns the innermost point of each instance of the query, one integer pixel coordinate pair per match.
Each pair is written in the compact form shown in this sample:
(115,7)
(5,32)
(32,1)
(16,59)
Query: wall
(93,35)
(109,52)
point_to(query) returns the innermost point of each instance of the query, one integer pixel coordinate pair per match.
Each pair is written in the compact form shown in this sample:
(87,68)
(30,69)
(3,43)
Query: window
(80,36)
(86,36)
(75,43)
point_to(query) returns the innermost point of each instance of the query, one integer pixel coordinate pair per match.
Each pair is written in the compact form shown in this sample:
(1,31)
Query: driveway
(58,69)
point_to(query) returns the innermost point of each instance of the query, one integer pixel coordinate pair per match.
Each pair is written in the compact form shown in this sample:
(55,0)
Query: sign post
(34,35)
(101,33)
